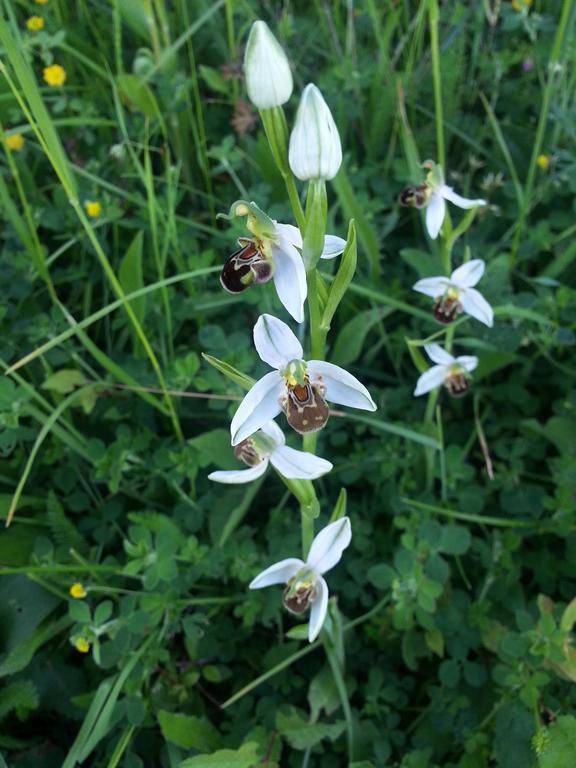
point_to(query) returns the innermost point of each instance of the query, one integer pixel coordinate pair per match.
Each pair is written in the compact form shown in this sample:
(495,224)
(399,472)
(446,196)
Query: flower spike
(299,388)
(305,585)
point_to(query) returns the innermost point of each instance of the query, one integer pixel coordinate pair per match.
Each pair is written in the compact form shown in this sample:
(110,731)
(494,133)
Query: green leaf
(245,757)
(512,740)
(350,341)
(455,540)
(246,382)
(323,694)
(381,576)
(556,745)
(64,381)
(189,732)
(301,734)
(131,274)
(343,278)
(214,79)
(138,95)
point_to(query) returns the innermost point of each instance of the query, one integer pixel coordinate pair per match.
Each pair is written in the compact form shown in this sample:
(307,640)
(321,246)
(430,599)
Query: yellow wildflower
(77,591)
(35,23)
(41,2)
(93,208)
(55,75)
(518,5)
(543,162)
(82,645)
(16,142)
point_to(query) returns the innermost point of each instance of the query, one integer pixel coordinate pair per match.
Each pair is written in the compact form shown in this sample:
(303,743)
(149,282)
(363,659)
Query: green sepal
(339,510)
(343,278)
(435,176)
(246,382)
(257,222)
(417,356)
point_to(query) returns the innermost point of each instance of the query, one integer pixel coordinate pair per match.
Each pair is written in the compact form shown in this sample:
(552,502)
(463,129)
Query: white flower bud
(315,151)
(268,75)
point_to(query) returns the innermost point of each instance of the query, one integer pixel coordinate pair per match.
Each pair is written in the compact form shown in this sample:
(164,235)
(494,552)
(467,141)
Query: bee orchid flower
(456,294)
(272,253)
(305,583)
(297,387)
(452,372)
(432,195)
(268,446)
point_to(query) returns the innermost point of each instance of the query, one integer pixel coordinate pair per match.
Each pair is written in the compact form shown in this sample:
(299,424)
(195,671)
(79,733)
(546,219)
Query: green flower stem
(276,129)
(338,676)
(433,15)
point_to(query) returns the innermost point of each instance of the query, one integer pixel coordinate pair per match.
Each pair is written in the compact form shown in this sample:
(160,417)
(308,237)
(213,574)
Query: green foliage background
(456,591)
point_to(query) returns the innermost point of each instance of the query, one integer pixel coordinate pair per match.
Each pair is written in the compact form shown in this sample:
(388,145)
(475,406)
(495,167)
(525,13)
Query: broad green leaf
(245,757)
(138,95)
(189,732)
(556,745)
(455,540)
(301,734)
(64,381)
(131,275)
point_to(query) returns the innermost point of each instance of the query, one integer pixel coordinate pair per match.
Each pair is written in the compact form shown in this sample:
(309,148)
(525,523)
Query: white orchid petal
(275,342)
(328,545)
(468,274)
(318,610)
(290,233)
(475,305)
(438,355)
(340,386)
(468,362)
(431,379)
(298,465)
(279,573)
(435,213)
(237,476)
(261,403)
(290,279)
(462,202)
(273,430)
(432,286)
(333,246)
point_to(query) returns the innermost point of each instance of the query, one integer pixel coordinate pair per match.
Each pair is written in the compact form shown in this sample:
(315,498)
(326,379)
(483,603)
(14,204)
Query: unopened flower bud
(315,151)
(268,76)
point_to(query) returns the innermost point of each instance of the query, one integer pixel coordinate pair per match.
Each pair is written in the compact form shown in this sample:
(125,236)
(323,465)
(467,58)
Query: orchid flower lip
(305,583)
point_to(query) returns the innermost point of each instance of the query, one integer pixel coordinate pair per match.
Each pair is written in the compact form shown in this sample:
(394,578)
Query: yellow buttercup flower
(93,208)
(55,75)
(543,162)
(35,23)
(82,645)
(77,591)
(15,143)
(41,2)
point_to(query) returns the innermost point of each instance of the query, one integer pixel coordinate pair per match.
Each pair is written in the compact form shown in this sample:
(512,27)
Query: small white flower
(268,76)
(272,254)
(432,195)
(304,581)
(315,151)
(267,446)
(298,388)
(456,294)
(450,371)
